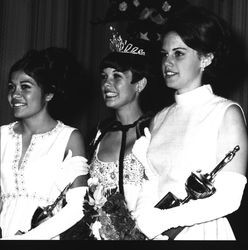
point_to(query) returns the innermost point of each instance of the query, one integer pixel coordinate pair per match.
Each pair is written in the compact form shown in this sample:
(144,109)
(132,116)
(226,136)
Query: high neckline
(195,96)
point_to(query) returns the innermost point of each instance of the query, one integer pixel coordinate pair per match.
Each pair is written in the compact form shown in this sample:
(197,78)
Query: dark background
(38,24)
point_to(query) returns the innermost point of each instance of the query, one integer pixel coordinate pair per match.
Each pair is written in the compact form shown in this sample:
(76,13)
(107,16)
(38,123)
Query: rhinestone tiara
(117,44)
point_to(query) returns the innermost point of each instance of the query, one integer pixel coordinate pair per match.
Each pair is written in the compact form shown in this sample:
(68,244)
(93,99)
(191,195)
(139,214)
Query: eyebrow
(27,81)
(182,48)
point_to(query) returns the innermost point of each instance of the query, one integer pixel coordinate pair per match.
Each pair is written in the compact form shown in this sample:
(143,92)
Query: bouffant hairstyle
(55,71)
(204,32)
(50,68)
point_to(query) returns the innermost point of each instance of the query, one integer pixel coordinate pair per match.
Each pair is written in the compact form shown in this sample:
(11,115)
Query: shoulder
(76,143)
(227,109)
(234,114)
(233,132)
(231,110)
(6,128)
(144,122)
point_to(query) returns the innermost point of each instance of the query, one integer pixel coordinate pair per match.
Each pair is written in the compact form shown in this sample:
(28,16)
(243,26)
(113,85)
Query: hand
(150,221)
(140,147)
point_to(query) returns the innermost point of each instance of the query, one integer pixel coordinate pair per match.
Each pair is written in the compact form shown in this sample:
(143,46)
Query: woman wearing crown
(124,77)
(125,73)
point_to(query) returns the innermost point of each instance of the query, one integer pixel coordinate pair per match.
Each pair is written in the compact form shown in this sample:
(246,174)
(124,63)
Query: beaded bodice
(108,172)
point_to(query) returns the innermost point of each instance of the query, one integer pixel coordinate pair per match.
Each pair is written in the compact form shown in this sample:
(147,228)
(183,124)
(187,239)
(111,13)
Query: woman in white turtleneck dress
(196,132)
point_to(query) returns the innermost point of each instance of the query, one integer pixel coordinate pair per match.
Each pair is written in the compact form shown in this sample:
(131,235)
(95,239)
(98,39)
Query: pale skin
(182,69)
(122,96)
(29,105)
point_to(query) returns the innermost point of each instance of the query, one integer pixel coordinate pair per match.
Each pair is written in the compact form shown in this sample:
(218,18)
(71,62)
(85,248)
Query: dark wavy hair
(55,70)
(205,32)
(137,64)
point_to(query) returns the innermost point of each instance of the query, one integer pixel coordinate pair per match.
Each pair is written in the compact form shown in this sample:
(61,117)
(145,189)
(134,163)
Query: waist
(34,196)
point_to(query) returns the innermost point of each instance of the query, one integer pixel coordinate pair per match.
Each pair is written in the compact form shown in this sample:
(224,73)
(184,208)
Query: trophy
(42,214)
(198,186)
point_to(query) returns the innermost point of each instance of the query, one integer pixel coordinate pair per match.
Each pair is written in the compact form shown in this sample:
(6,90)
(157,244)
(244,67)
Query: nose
(168,61)
(16,93)
(107,82)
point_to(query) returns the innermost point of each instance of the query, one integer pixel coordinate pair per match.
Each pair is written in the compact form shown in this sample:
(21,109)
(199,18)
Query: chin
(171,85)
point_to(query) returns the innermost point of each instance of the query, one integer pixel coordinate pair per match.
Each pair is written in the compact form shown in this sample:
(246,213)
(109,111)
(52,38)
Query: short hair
(203,31)
(139,65)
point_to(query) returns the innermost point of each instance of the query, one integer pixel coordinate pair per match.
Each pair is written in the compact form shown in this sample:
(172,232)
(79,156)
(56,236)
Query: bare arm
(76,145)
(233,132)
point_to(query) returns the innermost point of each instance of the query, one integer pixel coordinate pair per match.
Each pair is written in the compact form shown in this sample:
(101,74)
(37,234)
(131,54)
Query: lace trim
(58,126)
(19,171)
(26,195)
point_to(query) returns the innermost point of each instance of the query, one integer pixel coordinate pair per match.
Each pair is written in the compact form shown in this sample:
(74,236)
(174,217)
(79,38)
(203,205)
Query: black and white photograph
(124,120)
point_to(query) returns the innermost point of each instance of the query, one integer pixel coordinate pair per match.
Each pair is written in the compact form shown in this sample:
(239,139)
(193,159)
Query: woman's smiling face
(180,64)
(25,97)
(117,90)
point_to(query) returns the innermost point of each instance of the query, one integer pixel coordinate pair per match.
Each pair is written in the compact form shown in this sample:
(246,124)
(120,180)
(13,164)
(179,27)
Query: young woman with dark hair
(40,155)
(124,77)
(194,134)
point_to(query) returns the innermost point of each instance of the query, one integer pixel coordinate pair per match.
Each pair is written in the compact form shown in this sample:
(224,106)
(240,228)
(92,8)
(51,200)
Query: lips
(18,104)
(110,94)
(168,73)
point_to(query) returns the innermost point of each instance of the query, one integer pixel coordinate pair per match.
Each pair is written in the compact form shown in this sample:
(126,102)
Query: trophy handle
(42,214)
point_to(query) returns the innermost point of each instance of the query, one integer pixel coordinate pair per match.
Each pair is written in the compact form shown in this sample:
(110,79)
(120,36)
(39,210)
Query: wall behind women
(37,24)
(234,82)
(27,24)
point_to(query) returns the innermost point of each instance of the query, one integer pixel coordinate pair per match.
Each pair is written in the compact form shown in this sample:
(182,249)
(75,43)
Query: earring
(138,89)
(49,97)
(203,65)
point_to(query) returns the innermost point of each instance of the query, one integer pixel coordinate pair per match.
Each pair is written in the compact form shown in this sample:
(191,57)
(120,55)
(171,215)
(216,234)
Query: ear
(141,84)
(49,97)
(206,60)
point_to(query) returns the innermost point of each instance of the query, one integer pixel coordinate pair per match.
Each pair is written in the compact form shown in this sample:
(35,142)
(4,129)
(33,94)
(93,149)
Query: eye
(103,77)
(117,75)
(179,53)
(164,54)
(25,86)
(11,87)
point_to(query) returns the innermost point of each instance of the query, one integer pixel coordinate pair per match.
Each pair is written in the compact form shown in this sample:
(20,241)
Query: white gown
(38,180)
(184,139)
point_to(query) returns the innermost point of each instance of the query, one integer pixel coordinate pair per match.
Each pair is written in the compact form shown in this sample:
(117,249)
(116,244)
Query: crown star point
(117,44)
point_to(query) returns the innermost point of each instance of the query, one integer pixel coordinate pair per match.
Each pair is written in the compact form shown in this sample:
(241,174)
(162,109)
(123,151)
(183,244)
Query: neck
(36,126)
(128,117)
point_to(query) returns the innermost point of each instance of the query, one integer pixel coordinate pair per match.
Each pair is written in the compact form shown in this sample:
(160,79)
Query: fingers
(147,133)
